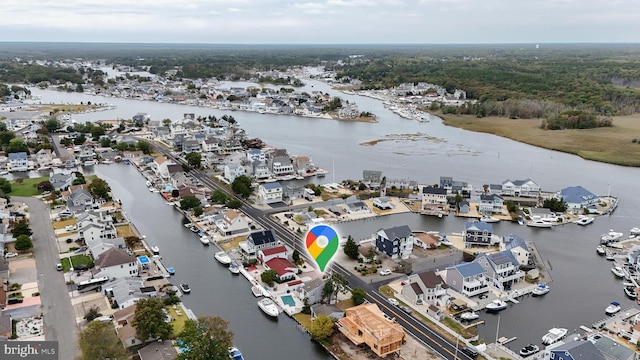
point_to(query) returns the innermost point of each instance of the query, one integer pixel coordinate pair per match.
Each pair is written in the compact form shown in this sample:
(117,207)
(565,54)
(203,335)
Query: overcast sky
(321,21)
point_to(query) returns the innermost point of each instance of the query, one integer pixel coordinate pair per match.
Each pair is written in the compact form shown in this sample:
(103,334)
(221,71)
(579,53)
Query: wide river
(582,284)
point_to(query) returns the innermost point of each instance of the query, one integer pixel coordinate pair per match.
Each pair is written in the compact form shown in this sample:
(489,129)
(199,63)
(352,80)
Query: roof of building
(17,156)
(478,226)
(581,349)
(416,288)
(430,279)
(490,197)
(158,350)
(274,250)
(271,186)
(513,241)
(325,309)
(469,269)
(397,232)
(113,257)
(262,237)
(434,190)
(611,349)
(281,266)
(577,194)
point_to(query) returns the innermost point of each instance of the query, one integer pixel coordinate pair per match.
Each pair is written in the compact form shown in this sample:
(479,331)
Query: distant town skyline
(321,21)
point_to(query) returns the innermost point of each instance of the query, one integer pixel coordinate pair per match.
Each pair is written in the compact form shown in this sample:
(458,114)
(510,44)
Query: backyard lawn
(124,231)
(76,260)
(26,187)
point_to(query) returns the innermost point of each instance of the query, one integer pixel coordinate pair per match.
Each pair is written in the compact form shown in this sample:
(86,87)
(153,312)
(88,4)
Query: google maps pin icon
(322,243)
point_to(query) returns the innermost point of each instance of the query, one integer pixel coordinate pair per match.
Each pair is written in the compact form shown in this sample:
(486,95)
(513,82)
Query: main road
(59,319)
(417,329)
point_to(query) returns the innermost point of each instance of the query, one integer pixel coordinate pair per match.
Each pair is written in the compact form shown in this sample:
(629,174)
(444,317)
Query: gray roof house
(80,200)
(395,242)
(467,278)
(577,349)
(577,197)
(61,181)
(312,291)
(426,287)
(502,269)
(477,233)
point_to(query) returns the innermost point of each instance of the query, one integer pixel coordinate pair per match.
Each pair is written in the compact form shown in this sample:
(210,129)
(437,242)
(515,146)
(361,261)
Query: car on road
(405,309)
(10,255)
(393,301)
(385,272)
(471,352)
(12,301)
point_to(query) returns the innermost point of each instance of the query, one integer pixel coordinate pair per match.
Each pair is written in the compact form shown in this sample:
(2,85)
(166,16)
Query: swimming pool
(288,300)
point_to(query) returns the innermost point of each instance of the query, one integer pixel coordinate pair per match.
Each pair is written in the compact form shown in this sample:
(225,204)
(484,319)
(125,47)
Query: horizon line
(316,44)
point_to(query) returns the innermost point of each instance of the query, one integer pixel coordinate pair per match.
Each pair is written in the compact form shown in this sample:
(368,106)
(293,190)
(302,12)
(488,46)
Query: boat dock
(503,340)
(611,323)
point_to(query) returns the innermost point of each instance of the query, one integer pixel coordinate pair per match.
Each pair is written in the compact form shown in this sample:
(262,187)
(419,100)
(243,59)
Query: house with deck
(434,199)
(233,222)
(467,279)
(395,242)
(259,240)
(491,204)
(372,179)
(577,198)
(478,233)
(426,287)
(518,248)
(269,193)
(520,188)
(501,269)
(115,264)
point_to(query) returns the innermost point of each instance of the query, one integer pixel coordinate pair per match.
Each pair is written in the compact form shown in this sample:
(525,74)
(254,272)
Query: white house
(232,171)
(115,264)
(18,161)
(269,193)
(434,199)
(232,223)
(526,188)
(491,204)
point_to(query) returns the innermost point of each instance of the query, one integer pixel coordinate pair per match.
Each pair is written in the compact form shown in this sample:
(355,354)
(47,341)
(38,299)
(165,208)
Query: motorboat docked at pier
(529,350)
(269,307)
(235,354)
(234,268)
(601,250)
(613,308)
(540,223)
(585,220)
(222,257)
(634,232)
(489,219)
(185,288)
(611,236)
(496,305)
(204,240)
(631,293)
(618,271)
(554,335)
(469,315)
(540,290)
(257,291)
(155,250)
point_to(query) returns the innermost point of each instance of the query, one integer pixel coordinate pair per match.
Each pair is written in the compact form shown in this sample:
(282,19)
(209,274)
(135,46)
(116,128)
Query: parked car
(11,301)
(10,255)
(393,301)
(385,272)
(473,353)
(405,309)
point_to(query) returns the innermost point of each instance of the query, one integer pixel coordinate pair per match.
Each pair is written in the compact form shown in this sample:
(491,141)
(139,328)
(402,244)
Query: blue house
(578,197)
(468,279)
(395,242)
(477,233)
(501,269)
(576,349)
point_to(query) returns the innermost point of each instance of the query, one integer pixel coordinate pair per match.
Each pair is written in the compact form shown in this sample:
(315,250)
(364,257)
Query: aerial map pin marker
(322,243)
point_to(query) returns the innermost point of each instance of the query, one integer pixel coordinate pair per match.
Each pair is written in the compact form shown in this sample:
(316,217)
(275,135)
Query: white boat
(634,232)
(205,240)
(256,290)
(529,350)
(613,308)
(107,162)
(554,335)
(601,250)
(540,223)
(222,257)
(469,315)
(496,305)
(489,219)
(610,255)
(584,220)
(4,172)
(269,307)
(155,250)
(185,288)
(611,236)
(631,293)
(540,290)
(618,271)
(235,354)
(234,268)
(89,163)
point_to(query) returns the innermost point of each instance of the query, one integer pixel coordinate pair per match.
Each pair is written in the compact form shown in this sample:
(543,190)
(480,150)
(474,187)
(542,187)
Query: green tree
(149,320)
(208,338)
(242,186)
(166,123)
(23,243)
(351,248)
(194,159)
(100,341)
(144,146)
(233,204)
(100,188)
(555,205)
(45,186)
(219,197)
(5,185)
(21,228)
(81,139)
(52,125)
(17,145)
(339,284)
(322,328)
(197,211)
(189,202)
(92,314)
(269,276)
(357,296)
(296,257)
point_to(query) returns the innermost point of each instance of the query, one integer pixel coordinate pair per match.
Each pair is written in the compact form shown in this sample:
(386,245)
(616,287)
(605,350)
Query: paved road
(59,319)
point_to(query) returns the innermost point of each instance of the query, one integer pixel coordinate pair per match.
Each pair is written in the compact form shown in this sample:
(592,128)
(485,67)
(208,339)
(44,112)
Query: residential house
(434,199)
(211,145)
(577,349)
(329,310)
(158,350)
(372,178)
(80,199)
(61,181)
(125,291)
(44,157)
(232,223)
(455,186)
(160,166)
(467,279)
(269,193)
(382,203)
(357,208)
(281,165)
(98,247)
(284,268)
(478,233)
(293,192)
(395,242)
(191,145)
(491,204)
(518,248)
(94,233)
(18,161)
(264,255)
(202,193)
(232,171)
(116,263)
(259,240)
(303,164)
(401,184)
(464,207)
(426,288)
(427,240)
(613,349)
(260,170)
(179,179)
(366,324)
(312,290)
(256,155)
(501,269)
(577,197)
(520,188)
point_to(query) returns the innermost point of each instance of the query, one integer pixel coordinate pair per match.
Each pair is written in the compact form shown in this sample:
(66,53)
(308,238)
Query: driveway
(59,318)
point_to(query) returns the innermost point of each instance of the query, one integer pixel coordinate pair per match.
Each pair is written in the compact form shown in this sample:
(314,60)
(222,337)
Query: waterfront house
(434,200)
(233,222)
(577,198)
(265,255)
(160,166)
(293,192)
(501,269)
(357,208)
(98,247)
(395,242)
(232,171)
(491,204)
(467,279)
(93,233)
(372,179)
(518,248)
(578,349)
(401,184)
(285,269)
(520,188)
(477,233)
(259,240)
(382,203)
(159,350)
(115,264)
(18,161)
(427,240)
(44,157)
(329,310)
(312,290)
(61,181)
(366,324)
(80,199)
(281,166)
(179,179)
(269,193)
(256,155)
(426,287)
(260,170)
(464,207)
(455,186)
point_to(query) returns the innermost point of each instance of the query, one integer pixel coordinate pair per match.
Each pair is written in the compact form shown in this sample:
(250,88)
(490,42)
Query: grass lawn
(303,319)
(26,187)
(57,225)
(177,321)
(124,231)
(612,145)
(345,304)
(76,260)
